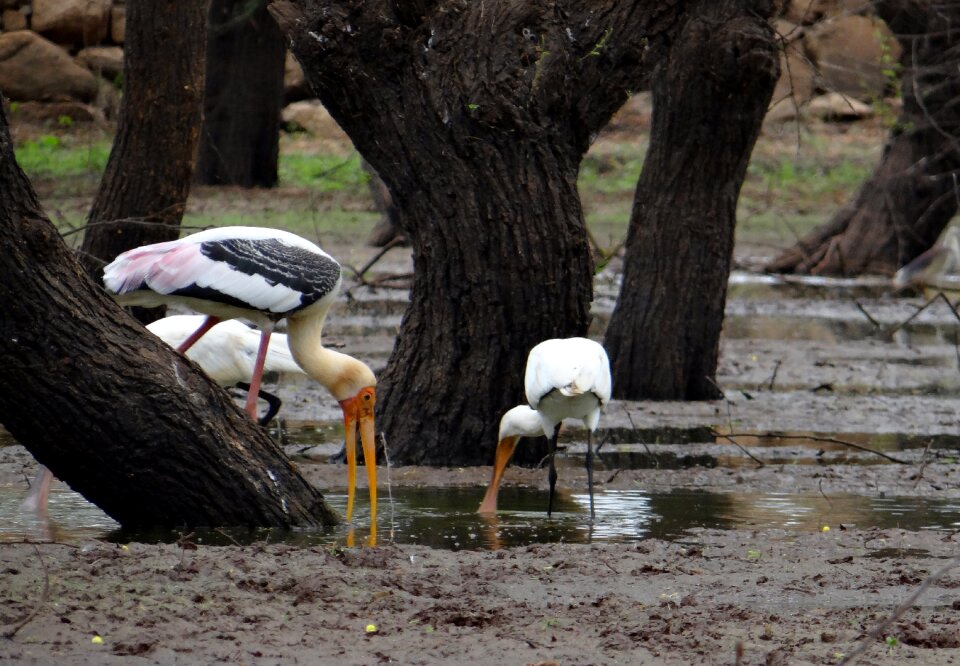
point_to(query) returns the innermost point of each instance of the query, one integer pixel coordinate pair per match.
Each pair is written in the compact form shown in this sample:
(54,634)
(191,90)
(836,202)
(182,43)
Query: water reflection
(445,518)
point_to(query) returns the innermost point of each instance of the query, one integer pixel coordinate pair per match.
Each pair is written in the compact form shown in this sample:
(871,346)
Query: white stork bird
(263,275)
(565,378)
(226,353)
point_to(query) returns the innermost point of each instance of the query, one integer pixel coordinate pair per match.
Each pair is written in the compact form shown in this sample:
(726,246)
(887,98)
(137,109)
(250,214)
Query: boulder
(118,23)
(14,19)
(33,68)
(77,22)
(58,111)
(311,117)
(834,106)
(854,55)
(107,61)
(295,86)
(794,88)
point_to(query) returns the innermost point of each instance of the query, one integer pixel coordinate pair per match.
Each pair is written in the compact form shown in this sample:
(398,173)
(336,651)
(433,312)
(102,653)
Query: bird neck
(340,374)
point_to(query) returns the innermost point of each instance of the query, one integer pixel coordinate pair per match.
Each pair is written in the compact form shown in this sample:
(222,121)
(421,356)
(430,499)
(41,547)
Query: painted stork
(565,378)
(263,275)
(226,353)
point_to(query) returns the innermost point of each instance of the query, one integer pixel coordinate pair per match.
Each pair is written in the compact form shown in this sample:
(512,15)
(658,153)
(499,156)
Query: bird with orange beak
(263,275)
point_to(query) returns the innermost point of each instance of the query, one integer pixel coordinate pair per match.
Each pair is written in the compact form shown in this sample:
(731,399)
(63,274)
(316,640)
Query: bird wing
(572,366)
(265,270)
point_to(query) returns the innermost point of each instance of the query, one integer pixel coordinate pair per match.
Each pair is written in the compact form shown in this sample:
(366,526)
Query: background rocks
(68,50)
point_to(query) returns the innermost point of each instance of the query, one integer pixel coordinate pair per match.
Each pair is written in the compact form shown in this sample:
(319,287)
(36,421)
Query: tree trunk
(911,196)
(144,188)
(239,144)
(476,116)
(128,423)
(710,94)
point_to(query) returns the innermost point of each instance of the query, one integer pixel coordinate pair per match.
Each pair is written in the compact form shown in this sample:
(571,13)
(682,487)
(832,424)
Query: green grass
(50,156)
(324,173)
(791,186)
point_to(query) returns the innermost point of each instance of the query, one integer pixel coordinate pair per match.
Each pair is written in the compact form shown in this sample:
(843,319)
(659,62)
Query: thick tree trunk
(476,115)
(145,186)
(131,425)
(709,97)
(239,144)
(911,196)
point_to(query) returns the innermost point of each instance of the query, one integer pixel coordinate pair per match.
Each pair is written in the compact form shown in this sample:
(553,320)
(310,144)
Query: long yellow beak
(358,411)
(504,452)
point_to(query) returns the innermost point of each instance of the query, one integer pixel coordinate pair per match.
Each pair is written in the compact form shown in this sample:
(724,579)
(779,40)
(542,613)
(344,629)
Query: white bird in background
(928,271)
(263,275)
(565,378)
(226,353)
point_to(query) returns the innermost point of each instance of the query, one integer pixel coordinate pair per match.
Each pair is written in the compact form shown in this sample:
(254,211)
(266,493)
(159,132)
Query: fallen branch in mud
(11,630)
(881,628)
(876,324)
(730,438)
(359,274)
(939,296)
(828,440)
(814,438)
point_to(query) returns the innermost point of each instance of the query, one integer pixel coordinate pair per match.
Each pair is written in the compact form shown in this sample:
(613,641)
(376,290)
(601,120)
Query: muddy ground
(796,358)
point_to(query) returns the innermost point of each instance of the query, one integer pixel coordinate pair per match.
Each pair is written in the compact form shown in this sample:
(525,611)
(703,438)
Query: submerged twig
(939,295)
(829,440)
(730,438)
(876,324)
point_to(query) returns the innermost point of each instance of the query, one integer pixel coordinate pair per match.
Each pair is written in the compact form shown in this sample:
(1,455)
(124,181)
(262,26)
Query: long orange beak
(505,449)
(358,411)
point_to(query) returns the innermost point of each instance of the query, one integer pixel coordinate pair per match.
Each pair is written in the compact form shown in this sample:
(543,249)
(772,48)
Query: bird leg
(36,501)
(207,324)
(590,469)
(552,475)
(257,377)
(273,403)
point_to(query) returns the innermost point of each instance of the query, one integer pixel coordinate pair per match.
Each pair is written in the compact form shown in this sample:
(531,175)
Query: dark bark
(128,423)
(911,196)
(144,189)
(710,94)
(239,144)
(476,116)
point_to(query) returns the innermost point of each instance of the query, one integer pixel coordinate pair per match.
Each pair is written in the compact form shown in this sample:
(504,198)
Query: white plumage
(228,351)
(263,275)
(564,378)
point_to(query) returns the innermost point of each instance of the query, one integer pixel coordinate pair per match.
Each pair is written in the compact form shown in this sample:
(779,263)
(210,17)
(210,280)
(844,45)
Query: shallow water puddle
(444,518)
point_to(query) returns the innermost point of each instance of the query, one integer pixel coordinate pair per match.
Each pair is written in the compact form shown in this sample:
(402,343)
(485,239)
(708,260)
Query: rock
(107,61)
(14,20)
(797,75)
(854,55)
(33,68)
(834,106)
(78,22)
(295,86)
(805,12)
(312,117)
(59,111)
(118,23)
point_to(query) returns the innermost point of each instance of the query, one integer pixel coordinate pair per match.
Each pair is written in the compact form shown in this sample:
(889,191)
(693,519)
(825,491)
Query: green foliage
(323,173)
(49,156)
(65,121)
